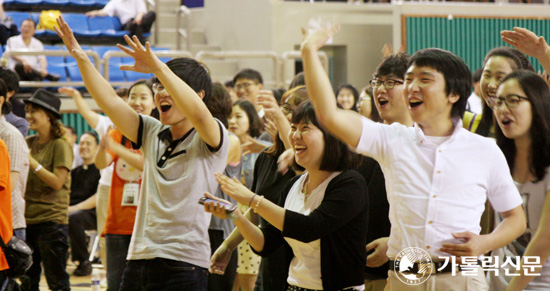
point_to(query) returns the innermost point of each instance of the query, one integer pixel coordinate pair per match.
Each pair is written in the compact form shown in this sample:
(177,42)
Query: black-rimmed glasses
(388,83)
(512,101)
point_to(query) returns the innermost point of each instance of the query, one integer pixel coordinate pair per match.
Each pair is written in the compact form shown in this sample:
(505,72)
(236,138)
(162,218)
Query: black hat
(46,100)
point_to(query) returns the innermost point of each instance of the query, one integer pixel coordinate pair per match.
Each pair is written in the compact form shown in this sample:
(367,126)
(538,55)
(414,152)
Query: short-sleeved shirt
(435,190)
(170,223)
(125,10)
(102,128)
(43,203)
(19,156)
(17,43)
(6,229)
(84,180)
(120,219)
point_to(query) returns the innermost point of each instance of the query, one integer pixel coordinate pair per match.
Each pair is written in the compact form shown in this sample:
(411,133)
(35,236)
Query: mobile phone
(228,207)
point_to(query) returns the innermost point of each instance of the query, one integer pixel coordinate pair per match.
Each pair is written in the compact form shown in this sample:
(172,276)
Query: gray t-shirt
(170,223)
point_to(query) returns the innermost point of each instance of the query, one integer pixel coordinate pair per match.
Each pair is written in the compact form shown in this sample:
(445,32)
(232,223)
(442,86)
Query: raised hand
(252,146)
(271,128)
(315,39)
(526,41)
(234,189)
(145,60)
(268,102)
(66,34)
(72,92)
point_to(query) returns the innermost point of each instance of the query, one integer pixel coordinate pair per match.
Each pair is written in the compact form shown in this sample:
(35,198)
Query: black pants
(79,222)
(225,281)
(139,29)
(33,75)
(7,31)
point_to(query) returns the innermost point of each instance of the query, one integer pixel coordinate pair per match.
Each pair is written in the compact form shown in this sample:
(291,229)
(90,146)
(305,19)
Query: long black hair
(538,93)
(518,61)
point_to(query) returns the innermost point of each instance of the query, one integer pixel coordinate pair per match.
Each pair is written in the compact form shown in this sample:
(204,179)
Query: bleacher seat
(100,23)
(55,2)
(79,24)
(57,60)
(117,31)
(59,69)
(87,4)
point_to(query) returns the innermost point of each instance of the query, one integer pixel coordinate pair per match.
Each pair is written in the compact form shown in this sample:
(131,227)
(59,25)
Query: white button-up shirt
(436,190)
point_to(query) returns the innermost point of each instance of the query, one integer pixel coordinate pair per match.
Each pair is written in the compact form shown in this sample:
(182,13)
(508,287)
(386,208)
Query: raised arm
(538,247)
(528,43)
(336,121)
(186,99)
(123,116)
(89,115)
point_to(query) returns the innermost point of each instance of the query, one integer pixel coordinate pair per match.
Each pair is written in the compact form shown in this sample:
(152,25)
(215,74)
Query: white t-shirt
(17,43)
(475,104)
(431,199)
(125,10)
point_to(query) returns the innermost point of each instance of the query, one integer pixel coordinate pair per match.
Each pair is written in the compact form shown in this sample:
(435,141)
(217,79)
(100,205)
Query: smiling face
(364,106)
(238,122)
(494,71)
(141,99)
(515,123)
(390,103)
(345,98)
(169,113)
(425,94)
(27,29)
(87,147)
(308,144)
(248,89)
(37,117)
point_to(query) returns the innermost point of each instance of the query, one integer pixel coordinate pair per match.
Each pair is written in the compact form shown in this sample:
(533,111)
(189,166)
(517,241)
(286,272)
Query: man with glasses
(170,248)
(248,84)
(438,174)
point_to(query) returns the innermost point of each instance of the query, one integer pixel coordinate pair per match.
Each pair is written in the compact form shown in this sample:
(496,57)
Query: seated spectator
(82,217)
(29,68)
(7,27)
(347,95)
(132,14)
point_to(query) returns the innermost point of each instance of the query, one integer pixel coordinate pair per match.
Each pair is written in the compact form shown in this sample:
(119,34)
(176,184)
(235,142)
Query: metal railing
(295,55)
(116,53)
(245,55)
(90,53)
(184,14)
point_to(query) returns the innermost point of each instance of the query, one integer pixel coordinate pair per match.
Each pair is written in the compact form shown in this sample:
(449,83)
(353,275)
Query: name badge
(130,194)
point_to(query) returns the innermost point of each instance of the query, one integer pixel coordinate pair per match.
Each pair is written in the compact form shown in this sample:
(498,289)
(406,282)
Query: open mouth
(383,102)
(506,121)
(415,103)
(298,149)
(165,106)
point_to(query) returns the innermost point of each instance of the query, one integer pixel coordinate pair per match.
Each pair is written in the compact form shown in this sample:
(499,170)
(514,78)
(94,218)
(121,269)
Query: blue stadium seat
(1,51)
(100,23)
(117,31)
(27,2)
(74,73)
(101,50)
(82,3)
(79,24)
(18,17)
(55,2)
(59,69)
(134,76)
(163,59)
(54,60)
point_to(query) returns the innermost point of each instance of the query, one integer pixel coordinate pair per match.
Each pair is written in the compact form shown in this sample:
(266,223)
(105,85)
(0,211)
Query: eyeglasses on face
(158,88)
(512,101)
(244,85)
(388,83)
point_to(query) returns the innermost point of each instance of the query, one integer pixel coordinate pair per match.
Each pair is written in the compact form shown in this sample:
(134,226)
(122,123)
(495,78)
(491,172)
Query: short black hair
(353,91)
(219,103)
(298,80)
(519,60)
(537,91)
(195,74)
(395,65)
(71,129)
(11,79)
(255,123)
(337,156)
(29,19)
(457,75)
(476,76)
(248,74)
(92,133)
(6,106)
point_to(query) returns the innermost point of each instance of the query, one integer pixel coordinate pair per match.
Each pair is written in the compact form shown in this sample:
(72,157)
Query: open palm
(315,39)
(145,60)
(66,34)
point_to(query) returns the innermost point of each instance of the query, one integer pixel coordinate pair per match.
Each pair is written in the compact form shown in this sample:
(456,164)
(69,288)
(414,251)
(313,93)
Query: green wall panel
(469,38)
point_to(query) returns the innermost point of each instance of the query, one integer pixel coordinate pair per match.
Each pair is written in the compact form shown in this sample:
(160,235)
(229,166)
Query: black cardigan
(340,222)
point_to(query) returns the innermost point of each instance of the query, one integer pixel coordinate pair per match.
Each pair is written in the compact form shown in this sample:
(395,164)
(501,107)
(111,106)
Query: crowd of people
(307,189)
